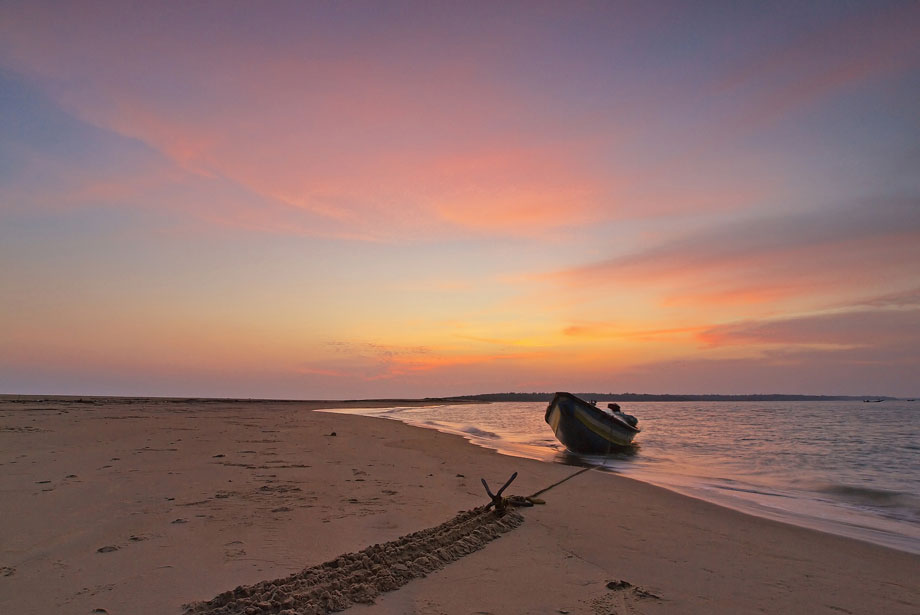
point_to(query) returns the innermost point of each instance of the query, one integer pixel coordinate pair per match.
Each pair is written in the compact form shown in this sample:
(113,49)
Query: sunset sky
(350,200)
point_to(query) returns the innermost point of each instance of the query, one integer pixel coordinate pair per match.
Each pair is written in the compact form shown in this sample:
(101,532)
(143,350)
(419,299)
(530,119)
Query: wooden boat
(584,428)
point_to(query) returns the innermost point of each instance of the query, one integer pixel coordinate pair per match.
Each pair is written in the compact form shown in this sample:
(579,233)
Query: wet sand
(163,506)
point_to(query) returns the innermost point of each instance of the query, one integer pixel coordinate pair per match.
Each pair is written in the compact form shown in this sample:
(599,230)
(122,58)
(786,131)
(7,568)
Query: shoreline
(196,499)
(759,500)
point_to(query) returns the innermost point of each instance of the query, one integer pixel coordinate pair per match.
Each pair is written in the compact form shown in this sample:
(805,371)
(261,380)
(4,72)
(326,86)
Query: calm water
(849,468)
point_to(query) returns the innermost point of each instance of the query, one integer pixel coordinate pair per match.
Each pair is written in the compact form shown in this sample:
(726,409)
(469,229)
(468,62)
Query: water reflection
(567,457)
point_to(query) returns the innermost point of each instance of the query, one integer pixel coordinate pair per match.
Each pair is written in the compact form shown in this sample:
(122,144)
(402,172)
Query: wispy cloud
(764,259)
(371,361)
(869,43)
(602,331)
(851,329)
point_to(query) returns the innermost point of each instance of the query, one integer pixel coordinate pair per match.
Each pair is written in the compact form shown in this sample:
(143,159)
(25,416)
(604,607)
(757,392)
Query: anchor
(501,503)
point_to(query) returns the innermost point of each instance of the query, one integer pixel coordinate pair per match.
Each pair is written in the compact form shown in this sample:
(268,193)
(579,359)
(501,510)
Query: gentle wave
(480,433)
(892,504)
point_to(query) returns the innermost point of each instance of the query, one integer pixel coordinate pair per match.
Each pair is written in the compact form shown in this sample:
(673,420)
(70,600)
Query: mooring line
(556,484)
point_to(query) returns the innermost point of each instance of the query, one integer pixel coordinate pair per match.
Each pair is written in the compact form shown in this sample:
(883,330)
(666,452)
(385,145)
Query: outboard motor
(615,408)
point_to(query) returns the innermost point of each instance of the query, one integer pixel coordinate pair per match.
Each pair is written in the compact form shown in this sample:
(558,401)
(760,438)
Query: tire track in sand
(360,577)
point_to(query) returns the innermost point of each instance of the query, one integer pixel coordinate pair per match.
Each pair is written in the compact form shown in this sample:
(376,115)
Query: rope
(556,484)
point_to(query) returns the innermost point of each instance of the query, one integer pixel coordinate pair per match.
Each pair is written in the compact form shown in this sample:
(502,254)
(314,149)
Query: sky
(342,200)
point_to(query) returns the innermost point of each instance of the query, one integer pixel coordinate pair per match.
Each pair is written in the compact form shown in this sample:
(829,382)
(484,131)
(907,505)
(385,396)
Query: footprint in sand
(622,598)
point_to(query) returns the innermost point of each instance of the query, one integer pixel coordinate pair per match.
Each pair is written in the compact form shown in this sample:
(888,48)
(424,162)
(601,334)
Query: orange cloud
(375,362)
(501,341)
(601,331)
(313,371)
(403,365)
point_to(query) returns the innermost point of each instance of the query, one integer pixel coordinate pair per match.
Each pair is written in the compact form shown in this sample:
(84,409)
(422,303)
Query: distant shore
(670,397)
(142,506)
(457,399)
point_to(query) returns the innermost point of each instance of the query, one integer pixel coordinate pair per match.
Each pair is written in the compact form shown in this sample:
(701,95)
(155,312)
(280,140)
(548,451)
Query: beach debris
(107,549)
(360,577)
(7,571)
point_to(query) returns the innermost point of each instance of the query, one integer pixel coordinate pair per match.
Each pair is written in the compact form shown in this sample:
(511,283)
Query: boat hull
(586,429)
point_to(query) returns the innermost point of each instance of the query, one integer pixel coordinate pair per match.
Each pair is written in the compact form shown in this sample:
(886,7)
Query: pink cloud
(371,140)
(855,328)
(771,259)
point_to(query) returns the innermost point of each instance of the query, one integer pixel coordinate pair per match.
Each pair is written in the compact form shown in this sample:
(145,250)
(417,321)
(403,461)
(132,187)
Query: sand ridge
(360,577)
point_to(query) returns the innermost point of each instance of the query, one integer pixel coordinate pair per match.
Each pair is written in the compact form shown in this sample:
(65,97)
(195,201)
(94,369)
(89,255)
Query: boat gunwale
(598,411)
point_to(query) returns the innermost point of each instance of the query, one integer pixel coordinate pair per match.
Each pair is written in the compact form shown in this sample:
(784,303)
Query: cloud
(411,125)
(837,53)
(602,331)
(850,250)
(371,139)
(860,328)
(868,347)
(368,361)
(884,371)
(315,371)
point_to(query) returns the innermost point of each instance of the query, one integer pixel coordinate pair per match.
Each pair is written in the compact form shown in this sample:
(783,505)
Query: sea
(845,467)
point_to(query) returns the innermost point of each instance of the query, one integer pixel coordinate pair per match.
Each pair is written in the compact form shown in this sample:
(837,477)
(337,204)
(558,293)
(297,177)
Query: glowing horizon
(357,200)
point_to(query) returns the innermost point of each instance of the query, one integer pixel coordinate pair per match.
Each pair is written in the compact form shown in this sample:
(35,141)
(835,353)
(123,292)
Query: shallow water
(848,468)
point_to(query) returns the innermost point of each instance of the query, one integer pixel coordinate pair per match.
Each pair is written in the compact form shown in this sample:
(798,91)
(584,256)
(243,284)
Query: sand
(168,506)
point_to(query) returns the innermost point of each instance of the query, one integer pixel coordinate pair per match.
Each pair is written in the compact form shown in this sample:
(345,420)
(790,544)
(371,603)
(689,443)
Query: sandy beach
(158,506)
